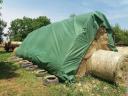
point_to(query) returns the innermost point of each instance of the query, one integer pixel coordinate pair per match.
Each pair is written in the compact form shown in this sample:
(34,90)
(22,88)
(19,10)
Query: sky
(116,11)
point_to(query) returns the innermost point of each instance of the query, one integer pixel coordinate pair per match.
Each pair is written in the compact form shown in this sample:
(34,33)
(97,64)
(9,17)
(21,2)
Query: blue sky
(115,10)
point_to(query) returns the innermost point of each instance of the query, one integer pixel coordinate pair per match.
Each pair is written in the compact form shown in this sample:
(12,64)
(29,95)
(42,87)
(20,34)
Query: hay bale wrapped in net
(123,50)
(109,65)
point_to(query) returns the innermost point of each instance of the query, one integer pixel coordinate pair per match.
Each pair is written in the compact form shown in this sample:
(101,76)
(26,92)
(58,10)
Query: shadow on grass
(7,70)
(104,80)
(4,52)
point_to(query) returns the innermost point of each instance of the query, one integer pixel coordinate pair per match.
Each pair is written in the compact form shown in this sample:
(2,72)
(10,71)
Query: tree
(39,22)
(2,24)
(72,15)
(20,28)
(1,1)
(121,36)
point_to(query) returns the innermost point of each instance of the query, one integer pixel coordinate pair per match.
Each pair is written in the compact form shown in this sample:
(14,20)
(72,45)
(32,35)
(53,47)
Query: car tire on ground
(51,79)
(15,59)
(25,64)
(31,68)
(40,73)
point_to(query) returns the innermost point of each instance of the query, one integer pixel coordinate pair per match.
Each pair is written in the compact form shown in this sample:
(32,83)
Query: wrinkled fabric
(60,47)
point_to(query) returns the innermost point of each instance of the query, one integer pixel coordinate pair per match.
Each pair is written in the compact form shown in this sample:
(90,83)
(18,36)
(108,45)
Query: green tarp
(60,47)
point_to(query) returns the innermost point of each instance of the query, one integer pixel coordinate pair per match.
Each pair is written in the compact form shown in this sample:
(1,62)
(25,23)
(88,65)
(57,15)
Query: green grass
(15,81)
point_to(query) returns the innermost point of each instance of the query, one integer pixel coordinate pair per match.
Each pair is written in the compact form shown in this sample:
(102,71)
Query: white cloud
(118,13)
(11,14)
(114,3)
(123,2)
(114,9)
(117,16)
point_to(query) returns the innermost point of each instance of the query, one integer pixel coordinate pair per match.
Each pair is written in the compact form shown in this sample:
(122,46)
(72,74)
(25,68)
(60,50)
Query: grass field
(15,81)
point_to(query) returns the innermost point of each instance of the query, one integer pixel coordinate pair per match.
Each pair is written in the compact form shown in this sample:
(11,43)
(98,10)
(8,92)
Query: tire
(40,73)
(25,61)
(35,66)
(31,68)
(25,64)
(18,59)
(15,59)
(51,79)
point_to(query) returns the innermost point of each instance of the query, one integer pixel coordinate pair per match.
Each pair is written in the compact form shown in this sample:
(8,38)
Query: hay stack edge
(108,65)
(123,50)
(65,48)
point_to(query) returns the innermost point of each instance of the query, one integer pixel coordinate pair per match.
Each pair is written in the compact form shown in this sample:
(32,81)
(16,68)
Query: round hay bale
(17,43)
(123,50)
(109,65)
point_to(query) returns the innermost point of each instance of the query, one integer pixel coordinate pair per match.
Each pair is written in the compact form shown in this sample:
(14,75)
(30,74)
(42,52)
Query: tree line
(120,35)
(20,28)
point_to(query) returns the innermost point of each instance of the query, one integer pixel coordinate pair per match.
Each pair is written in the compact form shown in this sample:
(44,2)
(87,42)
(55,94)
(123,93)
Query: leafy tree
(2,24)
(1,1)
(121,36)
(72,15)
(39,22)
(20,28)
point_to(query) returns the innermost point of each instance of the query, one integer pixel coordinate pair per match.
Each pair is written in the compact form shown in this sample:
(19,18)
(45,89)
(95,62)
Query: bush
(120,35)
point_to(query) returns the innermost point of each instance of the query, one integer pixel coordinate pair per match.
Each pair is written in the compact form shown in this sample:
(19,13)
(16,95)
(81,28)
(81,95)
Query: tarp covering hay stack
(60,47)
(100,42)
(109,65)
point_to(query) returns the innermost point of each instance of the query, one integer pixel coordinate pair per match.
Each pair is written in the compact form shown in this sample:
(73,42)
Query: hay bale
(109,65)
(100,42)
(11,45)
(123,50)
(17,43)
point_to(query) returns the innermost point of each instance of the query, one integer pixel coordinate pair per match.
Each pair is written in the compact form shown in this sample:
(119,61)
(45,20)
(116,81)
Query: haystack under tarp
(60,47)
(100,42)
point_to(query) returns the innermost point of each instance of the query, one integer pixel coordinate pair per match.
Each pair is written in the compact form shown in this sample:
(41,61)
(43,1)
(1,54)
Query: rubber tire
(51,79)
(40,73)
(35,66)
(25,64)
(15,59)
(31,67)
